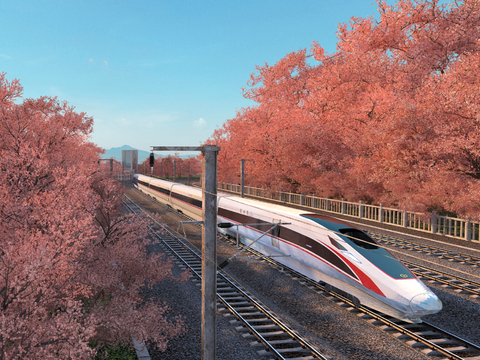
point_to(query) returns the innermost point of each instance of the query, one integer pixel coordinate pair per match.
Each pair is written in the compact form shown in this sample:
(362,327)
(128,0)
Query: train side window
(336,243)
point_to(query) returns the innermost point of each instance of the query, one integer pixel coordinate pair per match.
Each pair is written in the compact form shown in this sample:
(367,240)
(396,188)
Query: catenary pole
(209,252)
(209,245)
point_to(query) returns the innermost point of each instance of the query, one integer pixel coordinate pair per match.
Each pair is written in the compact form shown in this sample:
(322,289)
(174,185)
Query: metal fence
(433,223)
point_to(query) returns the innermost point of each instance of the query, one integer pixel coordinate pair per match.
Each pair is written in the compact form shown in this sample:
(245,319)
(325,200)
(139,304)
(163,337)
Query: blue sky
(158,72)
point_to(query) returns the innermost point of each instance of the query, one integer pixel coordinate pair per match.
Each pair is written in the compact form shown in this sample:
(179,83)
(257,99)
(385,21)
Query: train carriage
(320,247)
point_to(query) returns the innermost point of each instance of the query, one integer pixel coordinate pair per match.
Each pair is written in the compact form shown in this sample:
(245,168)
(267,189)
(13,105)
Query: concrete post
(405,219)
(468,231)
(360,211)
(434,222)
(242,172)
(209,252)
(343,206)
(381,213)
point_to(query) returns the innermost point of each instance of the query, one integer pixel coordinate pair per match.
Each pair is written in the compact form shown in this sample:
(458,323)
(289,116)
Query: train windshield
(377,255)
(360,238)
(365,245)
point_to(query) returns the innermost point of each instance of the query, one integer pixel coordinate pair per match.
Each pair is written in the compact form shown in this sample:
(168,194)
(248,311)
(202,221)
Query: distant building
(130,161)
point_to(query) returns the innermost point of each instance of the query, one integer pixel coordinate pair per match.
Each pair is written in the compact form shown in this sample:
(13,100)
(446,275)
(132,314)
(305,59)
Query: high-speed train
(320,247)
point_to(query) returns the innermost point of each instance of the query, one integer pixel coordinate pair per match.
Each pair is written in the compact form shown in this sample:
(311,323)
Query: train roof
(328,222)
(264,205)
(322,220)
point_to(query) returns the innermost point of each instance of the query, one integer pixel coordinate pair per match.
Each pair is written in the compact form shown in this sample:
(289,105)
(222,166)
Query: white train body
(322,248)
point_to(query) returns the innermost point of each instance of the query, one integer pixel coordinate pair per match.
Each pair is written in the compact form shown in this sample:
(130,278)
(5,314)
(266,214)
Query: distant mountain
(116,153)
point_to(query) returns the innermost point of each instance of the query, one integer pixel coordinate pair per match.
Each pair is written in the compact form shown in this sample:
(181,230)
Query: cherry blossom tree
(390,117)
(71,264)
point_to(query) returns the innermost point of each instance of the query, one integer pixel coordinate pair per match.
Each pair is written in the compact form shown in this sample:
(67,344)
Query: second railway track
(457,283)
(432,250)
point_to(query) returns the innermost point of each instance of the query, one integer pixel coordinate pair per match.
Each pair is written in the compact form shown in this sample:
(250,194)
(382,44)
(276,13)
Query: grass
(119,351)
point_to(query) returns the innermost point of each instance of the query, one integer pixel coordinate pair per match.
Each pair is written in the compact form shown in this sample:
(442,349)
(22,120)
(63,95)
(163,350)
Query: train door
(275,232)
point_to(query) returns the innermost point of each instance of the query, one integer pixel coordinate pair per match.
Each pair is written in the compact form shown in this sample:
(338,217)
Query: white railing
(435,224)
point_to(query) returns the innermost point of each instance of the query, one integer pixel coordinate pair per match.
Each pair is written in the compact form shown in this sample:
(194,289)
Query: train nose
(425,303)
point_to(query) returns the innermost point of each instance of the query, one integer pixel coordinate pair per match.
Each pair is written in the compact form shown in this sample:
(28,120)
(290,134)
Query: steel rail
(413,335)
(468,343)
(223,278)
(449,282)
(467,259)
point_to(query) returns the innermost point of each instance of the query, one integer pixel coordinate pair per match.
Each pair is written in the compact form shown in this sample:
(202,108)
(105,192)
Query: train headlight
(426,303)
(351,256)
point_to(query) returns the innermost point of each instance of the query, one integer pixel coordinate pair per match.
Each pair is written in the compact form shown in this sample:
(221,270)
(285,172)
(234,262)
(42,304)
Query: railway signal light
(152,159)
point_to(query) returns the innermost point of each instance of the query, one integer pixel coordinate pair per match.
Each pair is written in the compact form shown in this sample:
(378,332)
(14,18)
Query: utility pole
(243,174)
(174,170)
(209,245)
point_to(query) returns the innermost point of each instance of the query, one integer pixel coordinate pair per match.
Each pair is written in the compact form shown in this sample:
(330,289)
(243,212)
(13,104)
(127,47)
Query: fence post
(343,206)
(405,219)
(381,213)
(328,205)
(434,222)
(360,212)
(468,231)
(302,199)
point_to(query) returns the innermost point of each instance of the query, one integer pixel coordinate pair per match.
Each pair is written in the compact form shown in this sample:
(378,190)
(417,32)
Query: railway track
(276,339)
(443,279)
(427,274)
(424,337)
(426,249)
